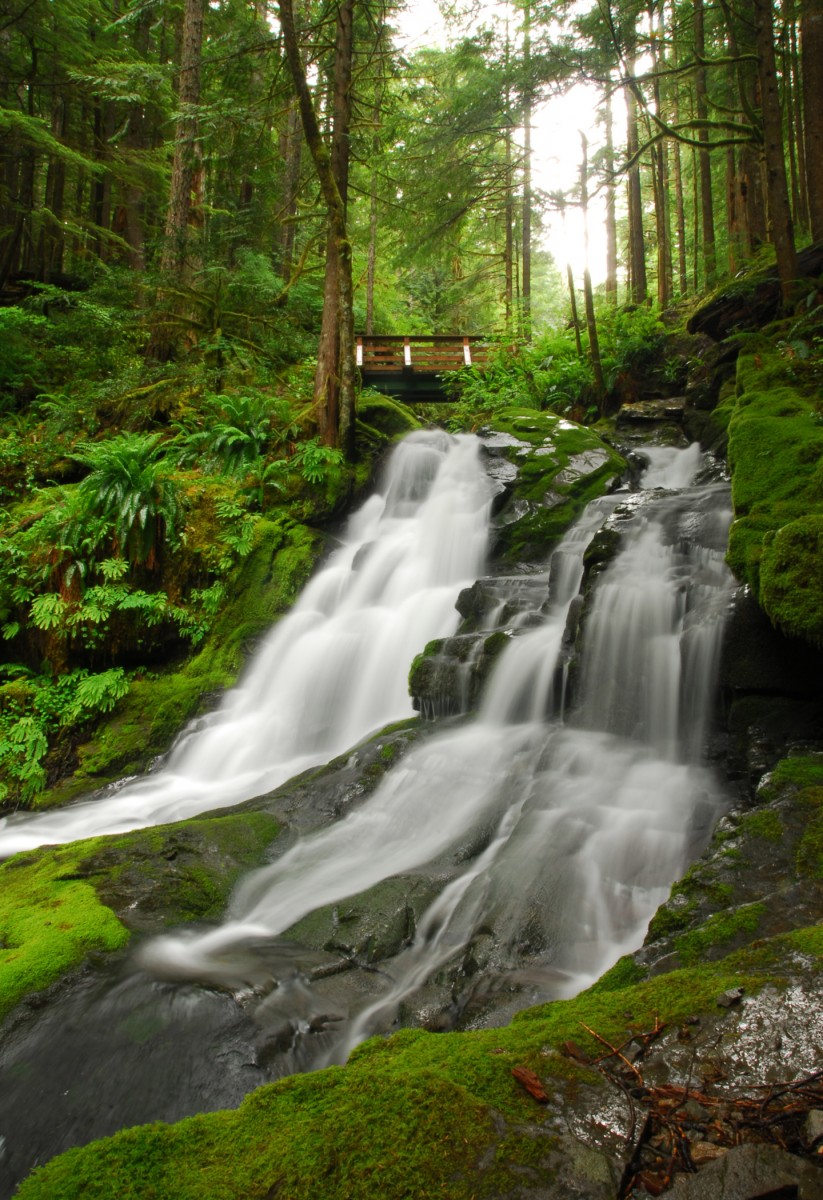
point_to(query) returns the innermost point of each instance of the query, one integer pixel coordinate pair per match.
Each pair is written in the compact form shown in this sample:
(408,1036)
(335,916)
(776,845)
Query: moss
(49,921)
(763,823)
(719,930)
(804,771)
(623,974)
(410,1115)
(56,904)
(809,860)
(554,482)
(775,454)
(386,416)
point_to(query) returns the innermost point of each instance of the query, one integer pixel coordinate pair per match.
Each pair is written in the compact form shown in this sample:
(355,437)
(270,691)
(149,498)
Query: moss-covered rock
(449,675)
(420,1115)
(762,874)
(560,467)
(775,455)
(58,905)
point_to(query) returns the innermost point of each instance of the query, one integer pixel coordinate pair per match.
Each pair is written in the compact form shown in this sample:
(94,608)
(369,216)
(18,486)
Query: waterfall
(331,671)
(554,839)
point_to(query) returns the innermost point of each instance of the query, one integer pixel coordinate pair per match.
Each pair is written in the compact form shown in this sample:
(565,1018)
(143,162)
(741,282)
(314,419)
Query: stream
(544,832)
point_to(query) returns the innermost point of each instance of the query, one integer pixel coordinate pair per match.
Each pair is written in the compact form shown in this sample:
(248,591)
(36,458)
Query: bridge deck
(410,367)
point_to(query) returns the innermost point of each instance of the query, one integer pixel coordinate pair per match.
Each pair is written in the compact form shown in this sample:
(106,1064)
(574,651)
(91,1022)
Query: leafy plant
(129,487)
(35,710)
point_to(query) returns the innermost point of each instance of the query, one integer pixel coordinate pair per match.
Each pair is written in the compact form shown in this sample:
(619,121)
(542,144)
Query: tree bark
(704,161)
(588,296)
(780,214)
(334,385)
(637,248)
(186,165)
(526,220)
(611,211)
(811,48)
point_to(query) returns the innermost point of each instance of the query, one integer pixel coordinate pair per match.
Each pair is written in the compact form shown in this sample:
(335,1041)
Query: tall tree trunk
(702,112)
(811,48)
(371,269)
(637,247)
(797,117)
(588,296)
(611,210)
(660,172)
(334,380)
(186,170)
(733,211)
(780,215)
(291,146)
(526,221)
(680,209)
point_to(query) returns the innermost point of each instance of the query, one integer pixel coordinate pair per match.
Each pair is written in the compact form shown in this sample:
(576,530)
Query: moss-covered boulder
(776,458)
(58,905)
(554,468)
(762,874)
(449,675)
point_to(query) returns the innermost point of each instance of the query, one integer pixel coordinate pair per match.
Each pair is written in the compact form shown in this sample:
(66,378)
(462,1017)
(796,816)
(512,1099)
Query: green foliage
(34,709)
(549,373)
(131,489)
(19,333)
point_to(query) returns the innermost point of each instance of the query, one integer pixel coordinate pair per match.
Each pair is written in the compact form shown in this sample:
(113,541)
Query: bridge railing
(421,355)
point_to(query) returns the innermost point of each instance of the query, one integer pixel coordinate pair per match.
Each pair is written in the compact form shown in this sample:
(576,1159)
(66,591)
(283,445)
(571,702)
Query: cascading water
(336,667)
(545,838)
(555,842)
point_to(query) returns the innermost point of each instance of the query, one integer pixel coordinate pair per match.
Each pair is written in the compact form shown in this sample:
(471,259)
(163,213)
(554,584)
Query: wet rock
(652,412)
(370,927)
(813,1127)
(752,1173)
(751,302)
(448,677)
(559,467)
(730,998)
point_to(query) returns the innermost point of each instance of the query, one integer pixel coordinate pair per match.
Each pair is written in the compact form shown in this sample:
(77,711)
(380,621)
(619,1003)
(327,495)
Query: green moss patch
(776,457)
(411,1115)
(561,467)
(56,905)
(49,921)
(720,930)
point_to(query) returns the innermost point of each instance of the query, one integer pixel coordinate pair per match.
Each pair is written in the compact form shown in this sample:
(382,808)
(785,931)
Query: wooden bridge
(411,368)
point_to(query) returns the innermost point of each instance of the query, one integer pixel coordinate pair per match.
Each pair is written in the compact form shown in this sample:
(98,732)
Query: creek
(542,833)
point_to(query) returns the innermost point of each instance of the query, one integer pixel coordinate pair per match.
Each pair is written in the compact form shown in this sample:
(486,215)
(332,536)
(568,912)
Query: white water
(582,827)
(331,671)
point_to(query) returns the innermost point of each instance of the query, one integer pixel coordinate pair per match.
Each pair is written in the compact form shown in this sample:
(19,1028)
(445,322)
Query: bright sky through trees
(556,150)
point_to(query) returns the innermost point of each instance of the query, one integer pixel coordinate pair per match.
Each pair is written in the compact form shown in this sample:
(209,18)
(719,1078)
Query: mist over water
(335,667)
(555,840)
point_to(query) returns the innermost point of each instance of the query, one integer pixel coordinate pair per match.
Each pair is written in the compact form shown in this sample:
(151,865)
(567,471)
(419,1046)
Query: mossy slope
(776,459)
(57,905)
(414,1116)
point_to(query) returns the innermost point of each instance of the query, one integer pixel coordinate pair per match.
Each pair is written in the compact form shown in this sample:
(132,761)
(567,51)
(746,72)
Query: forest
(202,207)
(201,204)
